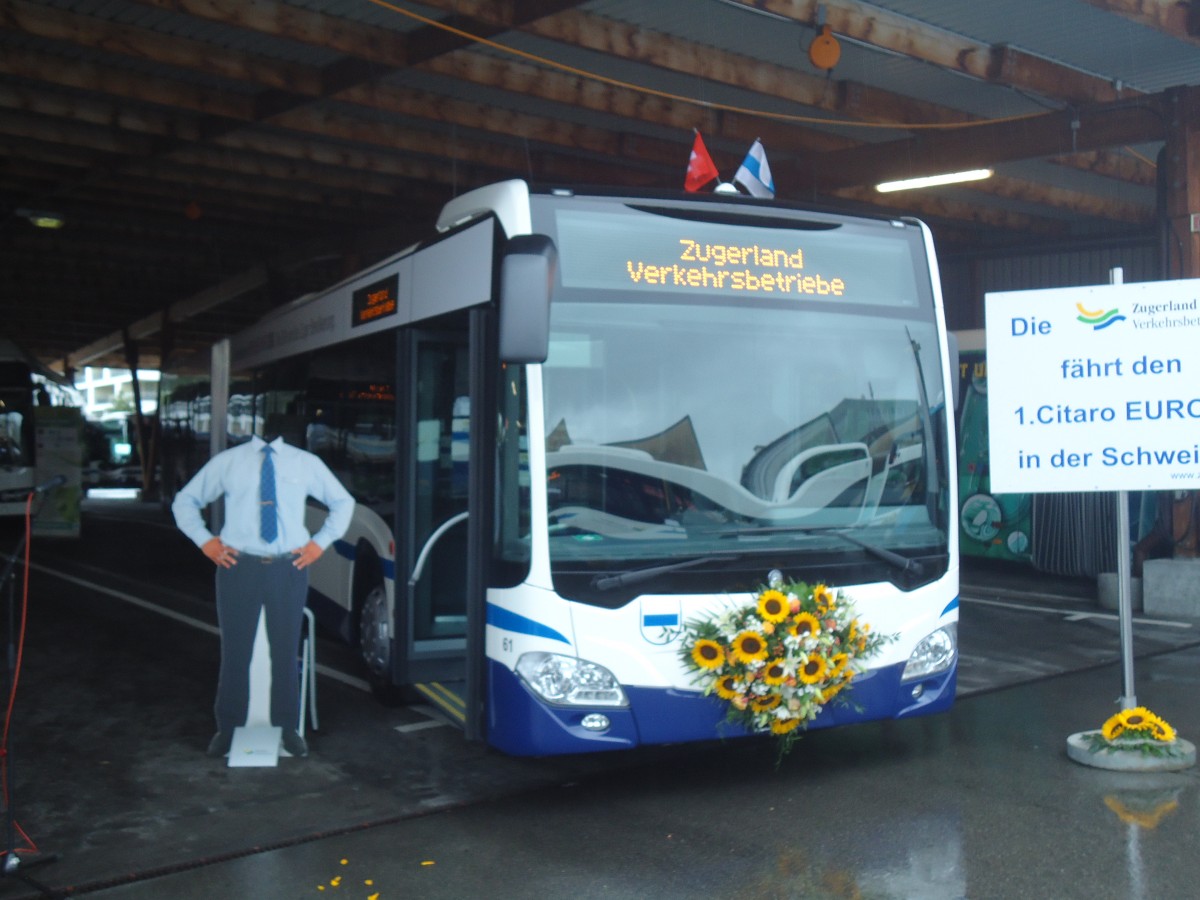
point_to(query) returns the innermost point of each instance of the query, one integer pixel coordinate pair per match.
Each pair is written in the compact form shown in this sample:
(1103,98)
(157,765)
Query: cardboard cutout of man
(261,555)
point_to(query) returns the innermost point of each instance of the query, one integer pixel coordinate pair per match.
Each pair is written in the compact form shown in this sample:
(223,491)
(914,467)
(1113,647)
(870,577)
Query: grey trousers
(280,589)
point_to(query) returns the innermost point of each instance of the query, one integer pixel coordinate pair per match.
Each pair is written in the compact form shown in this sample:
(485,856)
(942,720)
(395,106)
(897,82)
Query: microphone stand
(13,864)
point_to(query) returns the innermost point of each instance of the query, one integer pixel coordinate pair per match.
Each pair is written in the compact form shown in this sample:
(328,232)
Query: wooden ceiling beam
(1034,137)
(931,207)
(475,149)
(1069,201)
(182,129)
(81,136)
(75,28)
(392,48)
(342,162)
(660,113)
(90,110)
(303,26)
(1120,165)
(278,179)
(395,100)
(909,37)
(591,31)
(1178,18)
(92,78)
(238,175)
(1004,64)
(623,41)
(472,20)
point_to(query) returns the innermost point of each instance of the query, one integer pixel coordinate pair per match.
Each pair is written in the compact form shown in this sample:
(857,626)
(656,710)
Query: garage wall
(968,277)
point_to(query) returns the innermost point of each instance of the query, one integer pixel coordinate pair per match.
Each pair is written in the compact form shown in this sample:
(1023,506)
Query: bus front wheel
(374,642)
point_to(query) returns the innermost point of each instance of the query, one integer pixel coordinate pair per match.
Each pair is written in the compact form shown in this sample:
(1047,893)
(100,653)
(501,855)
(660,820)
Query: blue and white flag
(754,174)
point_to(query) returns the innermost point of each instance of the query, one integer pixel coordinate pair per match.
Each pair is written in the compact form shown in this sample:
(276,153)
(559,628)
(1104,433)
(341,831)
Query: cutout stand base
(255,745)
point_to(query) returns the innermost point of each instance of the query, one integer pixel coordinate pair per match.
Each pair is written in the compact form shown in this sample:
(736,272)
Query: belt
(266,560)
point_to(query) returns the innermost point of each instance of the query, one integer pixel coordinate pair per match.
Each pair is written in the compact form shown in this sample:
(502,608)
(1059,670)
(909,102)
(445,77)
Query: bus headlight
(570,681)
(934,653)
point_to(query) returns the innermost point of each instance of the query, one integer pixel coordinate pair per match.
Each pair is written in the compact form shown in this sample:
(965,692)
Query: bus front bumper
(522,725)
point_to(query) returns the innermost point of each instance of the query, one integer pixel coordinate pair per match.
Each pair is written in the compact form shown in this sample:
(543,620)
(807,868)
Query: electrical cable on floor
(12,690)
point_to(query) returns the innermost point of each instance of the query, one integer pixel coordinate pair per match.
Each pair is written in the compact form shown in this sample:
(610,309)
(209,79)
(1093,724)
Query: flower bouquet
(1137,730)
(779,660)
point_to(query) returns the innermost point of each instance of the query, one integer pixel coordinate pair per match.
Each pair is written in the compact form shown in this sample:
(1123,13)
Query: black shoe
(294,744)
(220,744)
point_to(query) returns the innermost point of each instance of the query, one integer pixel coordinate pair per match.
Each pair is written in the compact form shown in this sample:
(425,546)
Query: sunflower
(783,726)
(822,598)
(748,647)
(805,622)
(1137,719)
(772,606)
(766,703)
(830,692)
(728,687)
(813,670)
(838,661)
(774,672)
(1161,730)
(708,654)
(1113,728)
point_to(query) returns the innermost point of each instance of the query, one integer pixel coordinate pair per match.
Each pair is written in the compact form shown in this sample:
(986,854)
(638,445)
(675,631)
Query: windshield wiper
(634,576)
(903,563)
(932,486)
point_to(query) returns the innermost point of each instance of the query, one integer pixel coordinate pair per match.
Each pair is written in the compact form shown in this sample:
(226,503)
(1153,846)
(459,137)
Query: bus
(25,386)
(573,421)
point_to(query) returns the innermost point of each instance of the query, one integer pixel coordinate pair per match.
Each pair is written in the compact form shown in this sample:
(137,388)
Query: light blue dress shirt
(234,475)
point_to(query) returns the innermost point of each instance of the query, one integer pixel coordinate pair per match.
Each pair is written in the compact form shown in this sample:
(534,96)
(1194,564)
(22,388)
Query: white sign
(1094,388)
(59,431)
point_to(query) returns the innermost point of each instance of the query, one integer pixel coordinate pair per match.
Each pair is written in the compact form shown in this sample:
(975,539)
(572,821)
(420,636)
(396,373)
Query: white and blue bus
(25,386)
(573,421)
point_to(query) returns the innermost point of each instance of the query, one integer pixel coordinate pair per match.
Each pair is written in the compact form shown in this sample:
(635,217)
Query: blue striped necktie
(268,523)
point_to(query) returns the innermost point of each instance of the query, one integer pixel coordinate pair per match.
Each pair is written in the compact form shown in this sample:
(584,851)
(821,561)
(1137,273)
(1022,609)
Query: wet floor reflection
(1142,808)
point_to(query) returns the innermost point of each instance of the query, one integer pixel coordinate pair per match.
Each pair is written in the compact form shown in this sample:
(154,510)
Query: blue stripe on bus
(951,606)
(349,551)
(511,621)
(665,620)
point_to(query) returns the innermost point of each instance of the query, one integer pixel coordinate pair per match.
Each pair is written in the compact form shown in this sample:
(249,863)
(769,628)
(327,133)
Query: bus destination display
(375,301)
(644,252)
(722,267)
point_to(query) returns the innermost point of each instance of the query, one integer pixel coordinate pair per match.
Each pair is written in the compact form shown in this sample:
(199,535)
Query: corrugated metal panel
(1066,268)
(967,279)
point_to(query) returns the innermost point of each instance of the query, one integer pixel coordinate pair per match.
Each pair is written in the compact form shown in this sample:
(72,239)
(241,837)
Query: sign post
(1096,389)
(1124,578)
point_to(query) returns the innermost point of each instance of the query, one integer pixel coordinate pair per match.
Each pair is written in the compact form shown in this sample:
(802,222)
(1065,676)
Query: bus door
(438,565)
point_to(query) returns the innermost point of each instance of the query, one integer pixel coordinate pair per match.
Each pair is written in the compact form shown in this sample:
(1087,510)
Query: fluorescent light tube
(933,180)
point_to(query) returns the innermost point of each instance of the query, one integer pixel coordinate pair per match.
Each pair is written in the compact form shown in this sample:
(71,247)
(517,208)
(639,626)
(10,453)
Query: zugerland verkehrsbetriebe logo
(1148,316)
(1099,319)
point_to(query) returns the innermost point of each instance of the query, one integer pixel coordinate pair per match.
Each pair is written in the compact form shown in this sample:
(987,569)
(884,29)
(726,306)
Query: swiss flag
(701,169)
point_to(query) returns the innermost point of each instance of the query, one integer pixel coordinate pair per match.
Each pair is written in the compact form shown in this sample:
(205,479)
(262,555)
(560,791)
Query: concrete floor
(110,780)
(979,803)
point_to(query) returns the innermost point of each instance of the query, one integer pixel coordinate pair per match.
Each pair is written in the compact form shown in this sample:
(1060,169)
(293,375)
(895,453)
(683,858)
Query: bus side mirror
(527,275)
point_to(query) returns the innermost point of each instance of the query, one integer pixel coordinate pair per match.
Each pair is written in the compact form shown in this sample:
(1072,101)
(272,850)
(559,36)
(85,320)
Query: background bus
(574,422)
(25,386)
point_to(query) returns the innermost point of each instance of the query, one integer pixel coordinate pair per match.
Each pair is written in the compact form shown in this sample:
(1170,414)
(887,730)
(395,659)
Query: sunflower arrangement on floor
(1138,730)
(778,661)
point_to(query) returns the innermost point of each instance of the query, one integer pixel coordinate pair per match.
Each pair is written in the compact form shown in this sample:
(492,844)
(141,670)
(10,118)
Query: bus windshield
(737,430)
